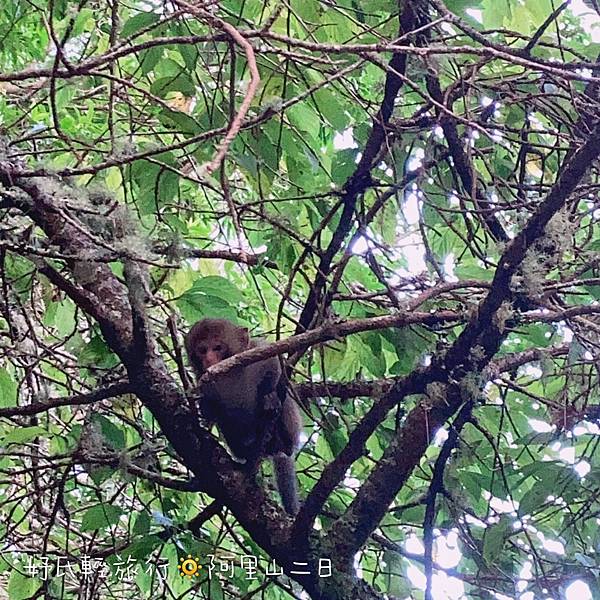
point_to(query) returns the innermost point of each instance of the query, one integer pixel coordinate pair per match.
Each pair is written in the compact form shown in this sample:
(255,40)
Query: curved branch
(238,120)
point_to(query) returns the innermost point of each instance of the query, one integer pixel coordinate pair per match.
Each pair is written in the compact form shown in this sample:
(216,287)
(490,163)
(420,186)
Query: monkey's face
(212,340)
(211,352)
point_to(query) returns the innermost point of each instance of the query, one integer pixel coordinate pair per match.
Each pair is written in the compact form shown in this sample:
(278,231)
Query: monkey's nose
(211,359)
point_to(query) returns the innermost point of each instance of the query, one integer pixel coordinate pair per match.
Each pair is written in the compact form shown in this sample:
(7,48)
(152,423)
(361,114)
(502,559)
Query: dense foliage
(404,196)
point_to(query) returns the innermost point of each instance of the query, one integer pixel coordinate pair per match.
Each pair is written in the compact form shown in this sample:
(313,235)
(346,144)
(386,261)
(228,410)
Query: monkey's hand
(266,386)
(271,405)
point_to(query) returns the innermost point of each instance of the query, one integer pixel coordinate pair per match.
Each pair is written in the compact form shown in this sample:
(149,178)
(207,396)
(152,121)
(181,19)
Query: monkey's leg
(267,421)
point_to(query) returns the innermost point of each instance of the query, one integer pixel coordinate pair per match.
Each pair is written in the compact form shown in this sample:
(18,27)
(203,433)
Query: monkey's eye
(218,348)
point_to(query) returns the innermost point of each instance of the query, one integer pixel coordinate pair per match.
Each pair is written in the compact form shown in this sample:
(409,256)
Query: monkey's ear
(244,336)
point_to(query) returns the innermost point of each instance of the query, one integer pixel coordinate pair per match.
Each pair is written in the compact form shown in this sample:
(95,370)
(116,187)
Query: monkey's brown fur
(242,402)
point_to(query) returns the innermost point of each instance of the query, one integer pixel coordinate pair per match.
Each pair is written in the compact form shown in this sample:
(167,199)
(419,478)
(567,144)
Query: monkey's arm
(280,419)
(238,429)
(265,374)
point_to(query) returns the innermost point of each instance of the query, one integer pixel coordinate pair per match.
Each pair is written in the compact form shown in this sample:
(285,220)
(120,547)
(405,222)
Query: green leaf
(219,287)
(323,448)
(113,434)
(344,164)
(195,307)
(189,54)
(305,119)
(594,291)
(150,57)
(8,389)
(396,583)
(473,271)
(64,317)
(414,514)
(100,474)
(535,498)
(336,439)
(138,22)
(183,122)
(23,435)
(100,516)
(494,538)
(21,587)
(539,11)
(142,523)
(97,354)
(495,12)
(179,83)
(458,7)
(143,547)
(329,105)
(168,186)
(83,22)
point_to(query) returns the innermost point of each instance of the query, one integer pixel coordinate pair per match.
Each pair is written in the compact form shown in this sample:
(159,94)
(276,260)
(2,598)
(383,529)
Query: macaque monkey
(244,402)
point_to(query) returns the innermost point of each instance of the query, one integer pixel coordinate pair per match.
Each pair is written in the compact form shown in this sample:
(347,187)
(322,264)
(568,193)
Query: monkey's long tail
(285,473)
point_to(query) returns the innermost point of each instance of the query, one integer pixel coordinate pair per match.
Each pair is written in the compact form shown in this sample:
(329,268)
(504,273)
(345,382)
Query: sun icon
(189,566)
